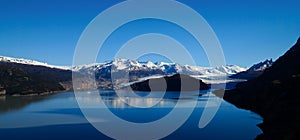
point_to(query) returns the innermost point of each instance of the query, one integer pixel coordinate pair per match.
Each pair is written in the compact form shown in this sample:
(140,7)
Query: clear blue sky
(249,31)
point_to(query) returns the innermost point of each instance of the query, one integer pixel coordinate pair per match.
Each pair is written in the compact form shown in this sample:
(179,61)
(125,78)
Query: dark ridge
(29,79)
(254,71)
(275,96)
(177,82)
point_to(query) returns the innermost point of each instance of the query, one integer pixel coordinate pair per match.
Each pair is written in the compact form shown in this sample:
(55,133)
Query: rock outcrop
(177,82)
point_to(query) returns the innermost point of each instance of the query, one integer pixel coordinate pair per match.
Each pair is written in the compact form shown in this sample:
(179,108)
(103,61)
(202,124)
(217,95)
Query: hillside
(275,96)
(254,71)
(177,82)
(31,79)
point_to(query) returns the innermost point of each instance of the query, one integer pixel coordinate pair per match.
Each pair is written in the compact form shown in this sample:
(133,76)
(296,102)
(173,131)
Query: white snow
(30,62)
(131,65)
(216,79)
(150,64)
(168,68)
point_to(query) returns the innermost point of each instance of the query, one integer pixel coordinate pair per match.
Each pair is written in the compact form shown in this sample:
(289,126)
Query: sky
(249,31)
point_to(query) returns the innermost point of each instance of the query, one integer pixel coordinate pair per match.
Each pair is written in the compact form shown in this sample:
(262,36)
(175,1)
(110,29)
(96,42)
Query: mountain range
(23,76)
(157,68)
(139,71)
(131,65)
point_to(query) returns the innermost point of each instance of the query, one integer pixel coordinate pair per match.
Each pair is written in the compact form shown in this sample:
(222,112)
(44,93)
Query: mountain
(144,69)
(254,71)
(158,68)
(56,78)
(275,96)
(30,62)
(136,67)
(140,71)
(171,83)
(24,79)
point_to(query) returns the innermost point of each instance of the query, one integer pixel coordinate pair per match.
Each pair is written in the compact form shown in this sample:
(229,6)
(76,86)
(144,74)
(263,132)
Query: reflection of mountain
(275,96)
(129,100)
(177,82)
(126,102)
(254,71)
(14,103)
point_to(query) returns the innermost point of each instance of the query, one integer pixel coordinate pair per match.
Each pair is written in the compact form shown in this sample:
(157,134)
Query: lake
(58,116)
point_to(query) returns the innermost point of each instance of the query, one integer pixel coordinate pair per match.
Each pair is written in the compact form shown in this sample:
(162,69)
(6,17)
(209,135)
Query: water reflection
(111,100)
(2,98)
(124,102)
(10,103)
(60,113)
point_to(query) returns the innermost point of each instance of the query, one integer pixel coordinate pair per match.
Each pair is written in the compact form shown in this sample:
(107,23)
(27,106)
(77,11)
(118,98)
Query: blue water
(59,117)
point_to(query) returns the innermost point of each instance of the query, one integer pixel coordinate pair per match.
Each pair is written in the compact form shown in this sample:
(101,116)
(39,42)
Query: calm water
(58,116)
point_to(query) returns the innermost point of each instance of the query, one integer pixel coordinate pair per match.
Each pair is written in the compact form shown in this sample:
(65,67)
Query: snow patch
(30,62)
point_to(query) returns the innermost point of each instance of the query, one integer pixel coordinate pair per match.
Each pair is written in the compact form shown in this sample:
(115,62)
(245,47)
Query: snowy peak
(30,62)
(138,67)
(254,71)
(262,65)
(150,64)
(159,68)
(20,61)
(121,64)
(231,69)
(137,71)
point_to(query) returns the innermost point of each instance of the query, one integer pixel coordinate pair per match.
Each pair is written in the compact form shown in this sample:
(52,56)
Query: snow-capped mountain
(140,71)
(118,65)
(261,66)
(137,71)
(254,71)
(30,62)
(24,77)
(231,69)
(131,65)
